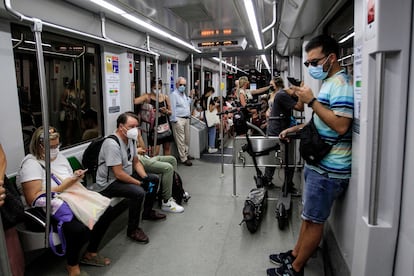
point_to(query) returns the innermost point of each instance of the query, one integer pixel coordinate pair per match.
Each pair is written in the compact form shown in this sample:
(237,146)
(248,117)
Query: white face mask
(132,133)
(54,153)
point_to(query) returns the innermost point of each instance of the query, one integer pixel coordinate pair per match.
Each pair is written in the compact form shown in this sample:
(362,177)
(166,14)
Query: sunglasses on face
(181,84)
(313,62)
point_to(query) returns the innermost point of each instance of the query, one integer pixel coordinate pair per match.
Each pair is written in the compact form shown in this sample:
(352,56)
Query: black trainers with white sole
(281,258)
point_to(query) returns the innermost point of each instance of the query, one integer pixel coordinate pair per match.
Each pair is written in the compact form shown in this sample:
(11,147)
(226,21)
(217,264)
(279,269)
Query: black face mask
(272,88)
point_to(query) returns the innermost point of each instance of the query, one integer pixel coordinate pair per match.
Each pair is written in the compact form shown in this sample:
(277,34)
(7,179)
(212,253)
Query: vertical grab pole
(221,109)
(37,30)
(271,63)
(192,72)
(157,104)
(376,158)
(202,78)
(234,176)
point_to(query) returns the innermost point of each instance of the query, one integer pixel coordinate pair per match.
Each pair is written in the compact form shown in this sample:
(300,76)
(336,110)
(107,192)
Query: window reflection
(73,90)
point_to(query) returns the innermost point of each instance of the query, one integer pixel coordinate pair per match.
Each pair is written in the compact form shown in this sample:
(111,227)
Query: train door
(403,264)
(383,41)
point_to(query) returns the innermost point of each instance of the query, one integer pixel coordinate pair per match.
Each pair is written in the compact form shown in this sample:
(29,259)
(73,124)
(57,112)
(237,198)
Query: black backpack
(91,155)
(254,208)
(177,188)
(177,191)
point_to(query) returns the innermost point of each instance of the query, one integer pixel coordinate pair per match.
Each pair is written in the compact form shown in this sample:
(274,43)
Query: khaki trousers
(181,130)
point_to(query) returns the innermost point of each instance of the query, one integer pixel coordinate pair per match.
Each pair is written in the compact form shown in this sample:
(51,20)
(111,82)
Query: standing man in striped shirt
(325,181)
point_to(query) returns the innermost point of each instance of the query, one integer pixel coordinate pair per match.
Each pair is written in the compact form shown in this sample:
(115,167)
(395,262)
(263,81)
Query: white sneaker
(171,206)
(212,150)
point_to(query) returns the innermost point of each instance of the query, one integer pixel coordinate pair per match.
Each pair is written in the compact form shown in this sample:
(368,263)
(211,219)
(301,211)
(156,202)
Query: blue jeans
(320,192)
(212,137)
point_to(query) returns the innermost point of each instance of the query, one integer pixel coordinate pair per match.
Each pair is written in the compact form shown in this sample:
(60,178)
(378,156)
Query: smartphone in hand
(80,173)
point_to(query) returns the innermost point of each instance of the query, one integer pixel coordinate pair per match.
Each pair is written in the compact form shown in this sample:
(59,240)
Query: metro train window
(72,69)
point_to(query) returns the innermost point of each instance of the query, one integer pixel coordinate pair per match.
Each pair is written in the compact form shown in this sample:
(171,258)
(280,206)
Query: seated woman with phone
(31,180)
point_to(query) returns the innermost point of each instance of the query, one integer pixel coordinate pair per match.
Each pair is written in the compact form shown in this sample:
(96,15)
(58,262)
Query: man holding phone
(121,174)
(326,181)
(280,114)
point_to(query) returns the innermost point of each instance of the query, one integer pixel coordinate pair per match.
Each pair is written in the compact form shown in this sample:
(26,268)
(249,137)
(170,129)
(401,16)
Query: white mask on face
(132,133)
(54,153)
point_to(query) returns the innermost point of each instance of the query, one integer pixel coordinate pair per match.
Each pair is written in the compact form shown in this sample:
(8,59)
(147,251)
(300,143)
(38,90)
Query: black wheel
(281,215)
(252,225)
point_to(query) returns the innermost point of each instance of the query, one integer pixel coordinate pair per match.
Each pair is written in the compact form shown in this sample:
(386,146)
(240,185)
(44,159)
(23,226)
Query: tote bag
(86,205)
(212,118)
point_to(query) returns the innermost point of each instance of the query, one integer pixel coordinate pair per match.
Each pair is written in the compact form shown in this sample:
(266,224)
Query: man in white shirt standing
(180,120)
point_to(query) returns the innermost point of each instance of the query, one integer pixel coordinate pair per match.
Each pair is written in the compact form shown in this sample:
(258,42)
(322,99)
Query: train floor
(204,240)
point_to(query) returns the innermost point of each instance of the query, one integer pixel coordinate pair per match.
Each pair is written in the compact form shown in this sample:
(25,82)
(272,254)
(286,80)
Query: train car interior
(77,65)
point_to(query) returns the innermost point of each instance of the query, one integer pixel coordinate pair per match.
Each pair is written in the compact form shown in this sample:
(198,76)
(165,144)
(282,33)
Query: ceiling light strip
(351,35)
(248,4)
(266,63)
(230,65)
(144,24)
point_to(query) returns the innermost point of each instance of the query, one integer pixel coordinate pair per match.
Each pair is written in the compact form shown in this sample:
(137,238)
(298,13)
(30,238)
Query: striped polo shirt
(337,95)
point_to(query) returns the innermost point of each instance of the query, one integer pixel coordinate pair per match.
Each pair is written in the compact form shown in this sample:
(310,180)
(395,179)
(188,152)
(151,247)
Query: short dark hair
(329,45)
(153,82)
(208,89)
(122,119)
(279,82)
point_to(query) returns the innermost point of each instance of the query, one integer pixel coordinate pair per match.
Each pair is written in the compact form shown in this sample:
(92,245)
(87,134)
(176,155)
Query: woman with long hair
(164,109)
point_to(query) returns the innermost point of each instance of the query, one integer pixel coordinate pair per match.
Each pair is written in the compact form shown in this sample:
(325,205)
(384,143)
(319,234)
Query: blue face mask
(317,72)
(181,88)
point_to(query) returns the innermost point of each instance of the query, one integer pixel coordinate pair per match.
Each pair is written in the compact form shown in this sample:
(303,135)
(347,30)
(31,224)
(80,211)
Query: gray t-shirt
(112,154)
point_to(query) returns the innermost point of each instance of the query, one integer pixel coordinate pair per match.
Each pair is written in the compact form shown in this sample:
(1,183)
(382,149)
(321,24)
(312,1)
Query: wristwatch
(311,102)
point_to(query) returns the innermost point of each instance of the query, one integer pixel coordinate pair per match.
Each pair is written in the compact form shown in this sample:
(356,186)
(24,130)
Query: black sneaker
(280,258)
(267,182)
(285,270)
(187,163)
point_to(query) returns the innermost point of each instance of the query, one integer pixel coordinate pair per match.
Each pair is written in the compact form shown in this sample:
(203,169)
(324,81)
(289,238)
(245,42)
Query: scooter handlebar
(293,135)
(252,105)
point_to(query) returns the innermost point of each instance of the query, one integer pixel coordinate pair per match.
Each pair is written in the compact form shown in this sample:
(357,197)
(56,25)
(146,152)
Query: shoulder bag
(164,130)
(147,114)
(62,213)
(312,147)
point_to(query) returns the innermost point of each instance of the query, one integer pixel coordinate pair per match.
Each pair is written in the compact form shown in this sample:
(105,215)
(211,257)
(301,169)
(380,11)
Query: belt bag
(312,147)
